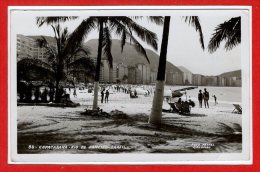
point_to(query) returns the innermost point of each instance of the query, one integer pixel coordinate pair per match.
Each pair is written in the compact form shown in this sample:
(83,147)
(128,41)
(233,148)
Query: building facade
(187,76)
(27,47)
(197,79)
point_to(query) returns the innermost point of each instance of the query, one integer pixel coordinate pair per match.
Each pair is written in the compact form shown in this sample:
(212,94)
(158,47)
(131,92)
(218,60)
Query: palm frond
(155,19)
(79,34)
(42,42)
(52,20)
(34,69)
(86,63)
(144,34)
(29,62)
(86,51)
(106,45)
(120,28)
(229,31)
(123,40)
(194,21)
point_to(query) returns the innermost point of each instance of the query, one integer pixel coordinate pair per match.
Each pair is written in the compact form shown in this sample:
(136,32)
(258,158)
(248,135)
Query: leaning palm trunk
(155,117)
(100,39)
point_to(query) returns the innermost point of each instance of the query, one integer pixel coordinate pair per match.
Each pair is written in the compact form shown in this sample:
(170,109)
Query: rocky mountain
(130,56)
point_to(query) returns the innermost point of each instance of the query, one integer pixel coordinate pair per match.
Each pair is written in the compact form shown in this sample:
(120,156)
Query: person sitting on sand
(206,98)
(135,93)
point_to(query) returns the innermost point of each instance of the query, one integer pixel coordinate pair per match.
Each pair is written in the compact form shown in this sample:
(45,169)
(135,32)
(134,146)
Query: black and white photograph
(132,84)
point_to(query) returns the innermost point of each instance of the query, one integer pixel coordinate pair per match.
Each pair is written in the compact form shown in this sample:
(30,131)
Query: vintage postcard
(130,85)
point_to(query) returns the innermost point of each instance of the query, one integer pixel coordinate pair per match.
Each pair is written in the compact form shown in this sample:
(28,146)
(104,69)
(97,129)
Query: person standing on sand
(75,92)
(102,95)
(106,97)
(206,98)
(215,98)
(200,97)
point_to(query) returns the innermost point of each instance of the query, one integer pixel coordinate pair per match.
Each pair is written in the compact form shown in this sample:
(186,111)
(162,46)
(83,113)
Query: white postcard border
(137,158)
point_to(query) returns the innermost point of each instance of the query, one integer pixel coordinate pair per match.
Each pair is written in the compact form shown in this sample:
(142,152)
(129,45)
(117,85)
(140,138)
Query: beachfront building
(221,81)
(24,47)
(203,80)
(139,74)
(229,81)
(197,79)
(237,82)
(27,47)
(233,81)
(187,76)
(177,78)
(153,76)
(135,67)
(120,73)
(211,80)
(142,74)
(104,75)
(174,77)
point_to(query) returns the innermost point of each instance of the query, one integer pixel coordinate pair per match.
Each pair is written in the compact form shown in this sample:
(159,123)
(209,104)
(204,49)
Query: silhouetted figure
(215,98)
(28,94)
(37,94)
(206,98)
(51,94)
(44,95)
(106,97)
(75,92)
(102,95)
(135,93)
(21,88)
(200,98)
(60,93)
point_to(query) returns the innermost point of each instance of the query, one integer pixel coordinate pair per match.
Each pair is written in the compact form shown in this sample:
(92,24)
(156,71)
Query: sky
(183,47)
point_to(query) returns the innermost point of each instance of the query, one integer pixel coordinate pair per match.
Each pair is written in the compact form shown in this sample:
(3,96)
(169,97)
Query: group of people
(106,94)
(205,97)
(121,89)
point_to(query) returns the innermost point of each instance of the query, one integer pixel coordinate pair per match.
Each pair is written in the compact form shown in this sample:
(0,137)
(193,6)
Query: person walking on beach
(106,97)
(215,98)
(206,98)
(200,97)
(102,95)
(75,92)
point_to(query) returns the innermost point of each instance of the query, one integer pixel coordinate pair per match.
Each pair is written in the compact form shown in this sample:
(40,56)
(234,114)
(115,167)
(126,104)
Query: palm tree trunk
(96,83)
(156,114)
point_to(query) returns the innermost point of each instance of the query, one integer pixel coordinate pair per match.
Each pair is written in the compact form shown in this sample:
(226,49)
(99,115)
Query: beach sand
(215,129)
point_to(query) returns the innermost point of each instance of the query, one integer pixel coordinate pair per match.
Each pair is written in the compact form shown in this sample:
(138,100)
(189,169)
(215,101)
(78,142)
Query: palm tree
(229,31)
(125,28)
(59,54)
(156,114)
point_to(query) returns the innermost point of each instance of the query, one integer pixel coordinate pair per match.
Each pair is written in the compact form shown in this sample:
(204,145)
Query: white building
(187,75)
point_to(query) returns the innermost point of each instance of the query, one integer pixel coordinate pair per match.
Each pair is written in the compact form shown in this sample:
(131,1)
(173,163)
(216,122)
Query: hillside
(49,39)
(129,55)
(236,73)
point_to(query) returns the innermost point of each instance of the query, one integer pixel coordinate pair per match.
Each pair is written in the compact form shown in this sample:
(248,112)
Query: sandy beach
(216,129)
